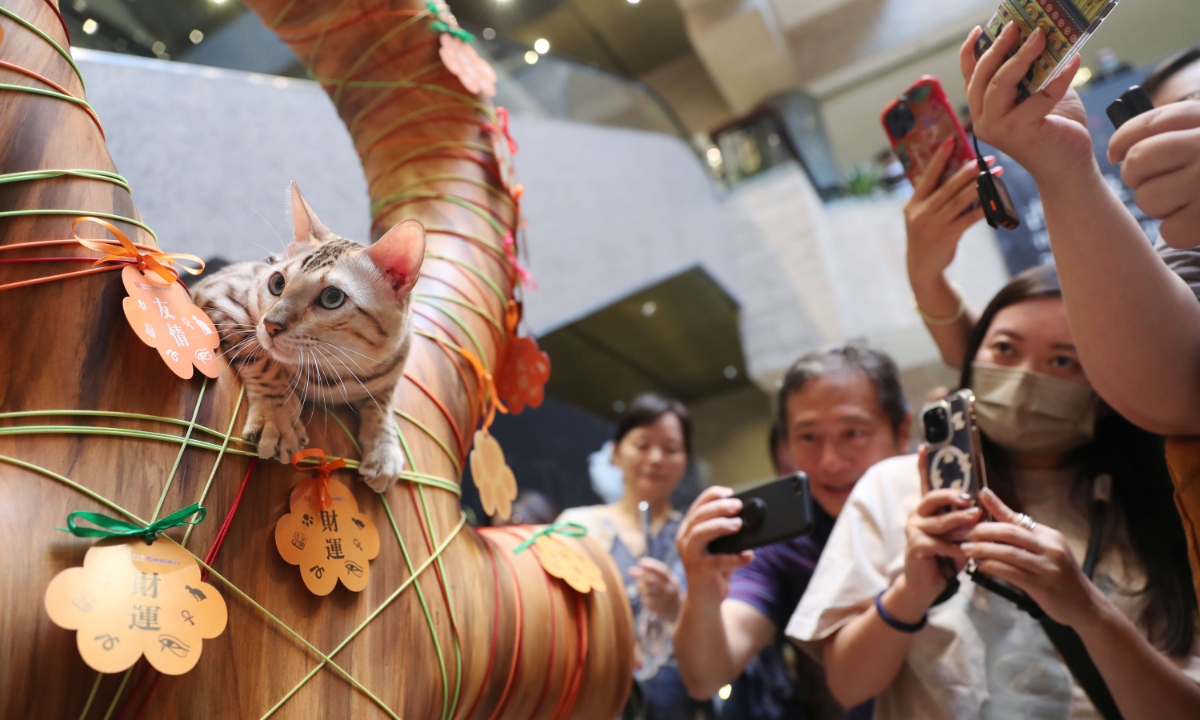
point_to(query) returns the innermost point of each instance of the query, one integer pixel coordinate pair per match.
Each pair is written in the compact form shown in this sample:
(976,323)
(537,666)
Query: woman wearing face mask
(873,604)
(651,447)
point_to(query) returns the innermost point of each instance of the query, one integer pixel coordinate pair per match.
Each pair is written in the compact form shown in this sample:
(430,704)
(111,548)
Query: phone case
(771,513)
(918,122)
(1068,25)
(955,460)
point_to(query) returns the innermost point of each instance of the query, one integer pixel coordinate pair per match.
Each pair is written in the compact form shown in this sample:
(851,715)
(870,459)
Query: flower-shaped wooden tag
(493,477)
(568,564)
(503,149)
(522,378)
(130,599)
(475,73)
(328,543)
(164,317)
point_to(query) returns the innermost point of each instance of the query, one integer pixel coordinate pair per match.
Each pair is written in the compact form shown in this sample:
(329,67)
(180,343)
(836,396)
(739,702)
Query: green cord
(91,696)
(47,93)
(120,689)
(80,213)
(48,39)
(104,175)
(467,266)
(182,447)
(441,443)
(503,196)
(470,335)
(120,415)
(220,456)
(485,314)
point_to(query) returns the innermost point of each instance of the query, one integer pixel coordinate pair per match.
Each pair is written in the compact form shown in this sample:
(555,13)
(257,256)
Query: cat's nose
(273,329)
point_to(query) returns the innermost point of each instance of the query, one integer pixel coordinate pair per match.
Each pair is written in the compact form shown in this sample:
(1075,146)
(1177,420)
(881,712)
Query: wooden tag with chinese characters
(131,599)
(493,477)
(569,565)
(164,318)
(329,544)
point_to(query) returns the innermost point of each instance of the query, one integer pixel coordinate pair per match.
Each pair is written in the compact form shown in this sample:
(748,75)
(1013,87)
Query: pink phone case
(918,122)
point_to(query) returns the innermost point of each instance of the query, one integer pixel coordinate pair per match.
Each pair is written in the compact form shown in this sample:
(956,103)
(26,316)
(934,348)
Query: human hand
(929,529)
(658,587)
(1037,561)
(936,217)
(713,514)
(1161,155)
(1047,133)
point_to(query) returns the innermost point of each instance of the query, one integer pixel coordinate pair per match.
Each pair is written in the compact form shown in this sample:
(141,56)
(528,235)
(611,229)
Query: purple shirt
(773,584)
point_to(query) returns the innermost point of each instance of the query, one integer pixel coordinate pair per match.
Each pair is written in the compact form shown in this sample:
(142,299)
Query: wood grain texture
(66,346)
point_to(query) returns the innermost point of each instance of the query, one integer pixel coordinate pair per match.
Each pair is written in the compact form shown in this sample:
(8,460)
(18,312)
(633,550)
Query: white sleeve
(864,553)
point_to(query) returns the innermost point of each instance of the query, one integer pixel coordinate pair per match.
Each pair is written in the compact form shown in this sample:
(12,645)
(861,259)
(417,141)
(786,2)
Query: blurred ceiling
(679,338)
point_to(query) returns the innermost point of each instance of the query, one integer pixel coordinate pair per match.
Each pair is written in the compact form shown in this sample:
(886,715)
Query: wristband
(896,624)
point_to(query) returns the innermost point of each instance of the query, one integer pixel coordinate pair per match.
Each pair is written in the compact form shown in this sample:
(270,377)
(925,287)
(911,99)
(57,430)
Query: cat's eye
(332,297)
(276,283)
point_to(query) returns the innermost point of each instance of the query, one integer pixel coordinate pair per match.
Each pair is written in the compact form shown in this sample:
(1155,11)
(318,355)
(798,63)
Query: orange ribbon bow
(322,470)
(155,261)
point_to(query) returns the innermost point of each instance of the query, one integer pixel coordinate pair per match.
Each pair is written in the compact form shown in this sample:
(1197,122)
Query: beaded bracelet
(896,624)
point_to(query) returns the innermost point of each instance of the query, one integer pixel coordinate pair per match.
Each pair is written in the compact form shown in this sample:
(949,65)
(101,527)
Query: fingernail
(965,497)
(990,159)
(948,143)
(967,547)
(998,171)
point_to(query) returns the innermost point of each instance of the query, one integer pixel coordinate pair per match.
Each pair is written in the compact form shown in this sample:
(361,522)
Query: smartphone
(954,457)
(777,511)
(1068,25)
(918,123)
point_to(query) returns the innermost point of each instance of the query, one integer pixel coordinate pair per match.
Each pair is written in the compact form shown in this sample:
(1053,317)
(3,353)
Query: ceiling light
(489,34)
(1081,77)
(714,156)
(619,406)
(634,2)
(726,691)
(90,26)
(158,48)
(217,2)
(79,5)
(648,308)
(730,372)
(195,36)
(531,57)
(542,45)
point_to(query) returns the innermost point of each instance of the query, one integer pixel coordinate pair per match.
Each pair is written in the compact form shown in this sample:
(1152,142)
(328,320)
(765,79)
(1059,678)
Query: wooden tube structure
(479,631)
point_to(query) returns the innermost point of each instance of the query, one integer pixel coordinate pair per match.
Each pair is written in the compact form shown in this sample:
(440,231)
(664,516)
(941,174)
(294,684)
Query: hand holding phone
(918,124)
(771,513)
(954,450)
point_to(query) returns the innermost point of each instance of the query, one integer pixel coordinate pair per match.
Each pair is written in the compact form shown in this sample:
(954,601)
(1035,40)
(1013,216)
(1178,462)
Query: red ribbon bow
(322,470)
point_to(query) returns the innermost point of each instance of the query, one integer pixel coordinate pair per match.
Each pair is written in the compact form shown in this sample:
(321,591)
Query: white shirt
(978,656)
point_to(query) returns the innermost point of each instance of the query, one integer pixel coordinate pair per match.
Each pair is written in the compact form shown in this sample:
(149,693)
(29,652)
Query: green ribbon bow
(569,529)
(112,527)
(441,25)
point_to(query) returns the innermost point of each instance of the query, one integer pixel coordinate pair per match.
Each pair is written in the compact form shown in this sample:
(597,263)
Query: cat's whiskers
(346,349)
(341,382)
(360,382)
(241,345)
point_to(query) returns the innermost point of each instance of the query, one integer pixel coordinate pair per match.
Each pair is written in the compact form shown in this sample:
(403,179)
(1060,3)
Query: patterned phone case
(933,122)
(1068,25)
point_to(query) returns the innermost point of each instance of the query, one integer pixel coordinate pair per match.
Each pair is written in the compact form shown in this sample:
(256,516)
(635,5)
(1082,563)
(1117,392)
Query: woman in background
(652,446)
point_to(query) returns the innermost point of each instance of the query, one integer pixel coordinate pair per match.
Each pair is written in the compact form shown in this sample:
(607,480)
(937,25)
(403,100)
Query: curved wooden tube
(65,346)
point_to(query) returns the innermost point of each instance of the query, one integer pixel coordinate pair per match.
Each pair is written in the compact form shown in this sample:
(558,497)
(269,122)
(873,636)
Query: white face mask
(1029,413)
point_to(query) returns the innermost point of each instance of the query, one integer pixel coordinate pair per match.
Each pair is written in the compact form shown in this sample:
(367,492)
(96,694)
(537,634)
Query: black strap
(1066,640)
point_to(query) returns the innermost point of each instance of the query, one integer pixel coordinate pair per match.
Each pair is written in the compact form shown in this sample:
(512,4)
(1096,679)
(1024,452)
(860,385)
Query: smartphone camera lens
(900,120)
(937,424)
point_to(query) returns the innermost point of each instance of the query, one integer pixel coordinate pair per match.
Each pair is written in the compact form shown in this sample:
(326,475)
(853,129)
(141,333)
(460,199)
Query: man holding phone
(842,410)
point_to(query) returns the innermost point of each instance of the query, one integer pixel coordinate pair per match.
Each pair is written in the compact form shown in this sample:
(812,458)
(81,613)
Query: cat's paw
(279,434)
(382,465)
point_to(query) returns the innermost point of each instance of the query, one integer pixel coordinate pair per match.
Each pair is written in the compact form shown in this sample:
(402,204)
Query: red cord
(133,693)
(553,633)
(56,86)
(220,538)
(148,694)
(61,20)
(520,634)
(487,672)
(462,448)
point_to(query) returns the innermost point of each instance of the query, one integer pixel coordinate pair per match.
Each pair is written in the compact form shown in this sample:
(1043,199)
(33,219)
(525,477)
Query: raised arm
(863,658)
(715,637)
(1135,323)
(935,217)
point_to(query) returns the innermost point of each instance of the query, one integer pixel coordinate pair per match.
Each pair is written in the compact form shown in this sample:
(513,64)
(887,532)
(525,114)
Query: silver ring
(1026,522)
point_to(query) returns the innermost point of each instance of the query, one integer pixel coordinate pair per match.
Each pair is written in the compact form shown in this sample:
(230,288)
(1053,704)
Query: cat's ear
(399,254)
(309,232)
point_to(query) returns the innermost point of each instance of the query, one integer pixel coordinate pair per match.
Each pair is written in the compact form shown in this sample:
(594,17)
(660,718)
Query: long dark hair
(1142,485)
